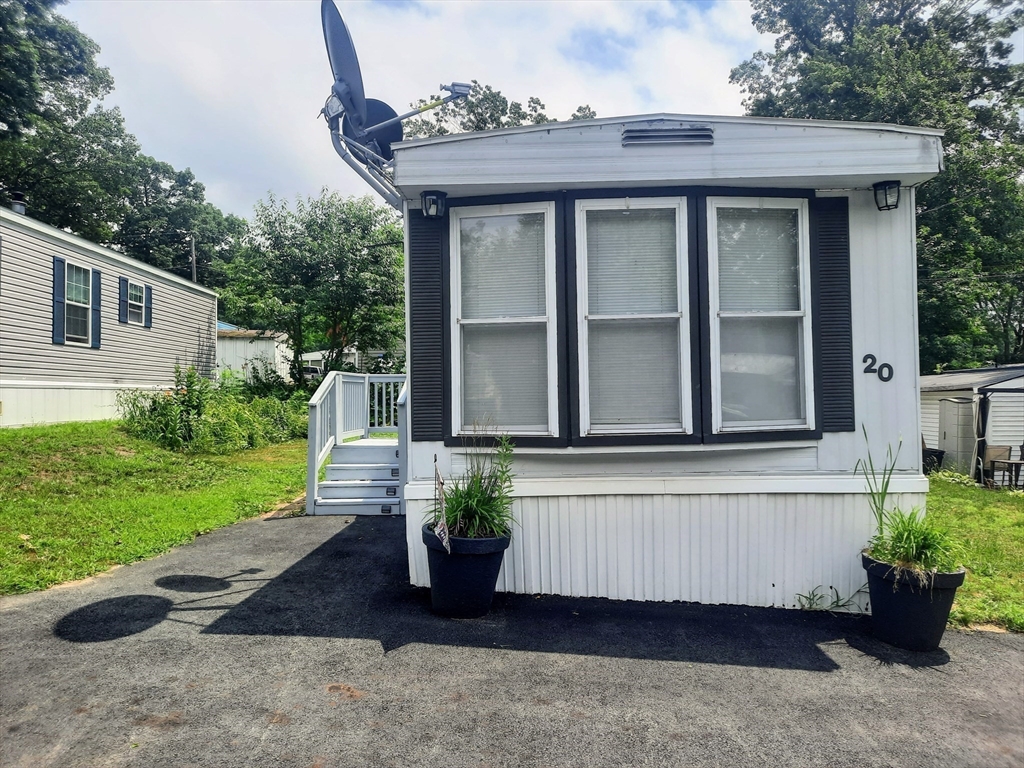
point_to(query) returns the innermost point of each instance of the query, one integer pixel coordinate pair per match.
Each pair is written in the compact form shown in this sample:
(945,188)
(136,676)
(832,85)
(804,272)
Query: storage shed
(79,322)
(241,350)
(683,322)
(961,408)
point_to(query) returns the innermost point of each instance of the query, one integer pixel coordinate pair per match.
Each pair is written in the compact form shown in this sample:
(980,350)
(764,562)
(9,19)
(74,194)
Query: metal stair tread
(381,465)
(375,501)
(360,481)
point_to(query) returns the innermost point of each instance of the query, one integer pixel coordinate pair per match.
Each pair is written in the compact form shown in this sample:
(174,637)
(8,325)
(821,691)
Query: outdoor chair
(994,453)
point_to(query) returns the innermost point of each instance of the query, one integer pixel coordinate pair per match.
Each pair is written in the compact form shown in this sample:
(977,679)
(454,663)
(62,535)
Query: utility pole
(192,239)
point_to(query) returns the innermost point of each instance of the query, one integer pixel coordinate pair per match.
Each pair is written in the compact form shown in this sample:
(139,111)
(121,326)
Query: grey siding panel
(183,332)
(426,323)
(830,236)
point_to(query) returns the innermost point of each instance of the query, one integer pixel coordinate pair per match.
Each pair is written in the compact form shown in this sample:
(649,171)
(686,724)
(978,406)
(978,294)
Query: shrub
(200,417)
(950,476)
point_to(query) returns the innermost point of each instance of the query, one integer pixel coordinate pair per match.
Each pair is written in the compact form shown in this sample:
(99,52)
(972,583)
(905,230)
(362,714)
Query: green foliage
(953,477)
(478,505)
(907,540)
(328,273)
(991,525)
(77,164)
(484,109)
(914,542)
(939,63)
(198,417)
(821,599)
(78,498)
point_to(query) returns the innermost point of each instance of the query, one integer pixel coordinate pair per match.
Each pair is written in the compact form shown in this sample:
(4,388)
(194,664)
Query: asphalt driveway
(298,642)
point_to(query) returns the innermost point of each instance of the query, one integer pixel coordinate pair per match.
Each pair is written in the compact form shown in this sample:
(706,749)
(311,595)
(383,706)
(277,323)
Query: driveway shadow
(355,585)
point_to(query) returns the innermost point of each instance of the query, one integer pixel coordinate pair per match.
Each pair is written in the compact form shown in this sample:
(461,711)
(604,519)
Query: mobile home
(79,322)
(684,322)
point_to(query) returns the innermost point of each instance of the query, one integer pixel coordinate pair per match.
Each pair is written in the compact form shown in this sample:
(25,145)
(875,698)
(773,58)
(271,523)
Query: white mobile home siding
(755,523)
(43,382)
(752,524)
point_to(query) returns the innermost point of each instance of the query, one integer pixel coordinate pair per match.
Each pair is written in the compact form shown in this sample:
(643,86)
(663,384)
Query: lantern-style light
(887,195)
(432,204)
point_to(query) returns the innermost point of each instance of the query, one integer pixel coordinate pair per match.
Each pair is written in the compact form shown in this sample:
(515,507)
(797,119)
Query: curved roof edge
(565,124)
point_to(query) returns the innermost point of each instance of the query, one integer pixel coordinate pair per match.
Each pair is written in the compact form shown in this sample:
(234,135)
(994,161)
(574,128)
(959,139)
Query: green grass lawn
(991,525)
(76,499)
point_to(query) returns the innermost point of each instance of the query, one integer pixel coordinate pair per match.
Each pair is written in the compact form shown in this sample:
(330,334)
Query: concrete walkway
(298,642)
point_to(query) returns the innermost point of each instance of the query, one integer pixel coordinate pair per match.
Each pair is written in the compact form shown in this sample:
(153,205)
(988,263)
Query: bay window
(504,363)
(674,319)
(759,274)
(631,269)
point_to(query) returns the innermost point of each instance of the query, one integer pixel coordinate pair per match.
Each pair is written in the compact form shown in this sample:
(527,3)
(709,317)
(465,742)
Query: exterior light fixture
(432,204)
(887,195)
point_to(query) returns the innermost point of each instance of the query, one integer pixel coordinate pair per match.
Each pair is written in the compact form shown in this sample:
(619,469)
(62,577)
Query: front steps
(361,479)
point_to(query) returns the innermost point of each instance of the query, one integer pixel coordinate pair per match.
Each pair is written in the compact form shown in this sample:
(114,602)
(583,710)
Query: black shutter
(148,316)
(830,250)
(122,300)
(59,287)
(426,326)
(96,313)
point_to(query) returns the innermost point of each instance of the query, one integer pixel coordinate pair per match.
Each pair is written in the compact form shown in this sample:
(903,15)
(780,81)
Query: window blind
(505,376)
(758,260)
(634,372)
(502,265)
(631,261)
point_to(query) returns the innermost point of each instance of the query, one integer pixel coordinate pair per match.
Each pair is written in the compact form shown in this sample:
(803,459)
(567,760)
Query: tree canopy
(77,164)
(937,63)
(328,273)
(484,109)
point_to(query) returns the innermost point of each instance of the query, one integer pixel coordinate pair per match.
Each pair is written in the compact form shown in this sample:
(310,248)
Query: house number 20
(884,370)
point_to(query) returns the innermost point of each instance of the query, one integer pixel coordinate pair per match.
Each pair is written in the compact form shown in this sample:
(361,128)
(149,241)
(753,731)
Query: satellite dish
(383,136)
(348,81)
(362,129)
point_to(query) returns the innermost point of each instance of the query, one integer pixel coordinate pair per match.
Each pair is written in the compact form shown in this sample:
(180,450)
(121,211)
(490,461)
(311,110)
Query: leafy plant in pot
(469,530)
(912,566)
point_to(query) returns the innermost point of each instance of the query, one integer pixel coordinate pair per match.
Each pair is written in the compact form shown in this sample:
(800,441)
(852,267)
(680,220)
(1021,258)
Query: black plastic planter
(906,613)
(462,583)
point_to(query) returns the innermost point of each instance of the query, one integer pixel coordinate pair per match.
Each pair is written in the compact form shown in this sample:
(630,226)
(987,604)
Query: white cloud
(232,89)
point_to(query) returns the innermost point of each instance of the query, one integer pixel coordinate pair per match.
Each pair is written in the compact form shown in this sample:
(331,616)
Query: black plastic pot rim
(462,546)
(926,579)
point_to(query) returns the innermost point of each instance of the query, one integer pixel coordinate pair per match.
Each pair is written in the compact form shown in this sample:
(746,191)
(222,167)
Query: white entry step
(361,479)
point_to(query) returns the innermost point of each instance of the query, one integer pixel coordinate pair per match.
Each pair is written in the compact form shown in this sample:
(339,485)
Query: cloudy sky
(232,88)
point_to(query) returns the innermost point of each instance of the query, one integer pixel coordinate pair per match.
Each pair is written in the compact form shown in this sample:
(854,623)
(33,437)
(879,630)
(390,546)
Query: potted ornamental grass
(913,567)
(469,529)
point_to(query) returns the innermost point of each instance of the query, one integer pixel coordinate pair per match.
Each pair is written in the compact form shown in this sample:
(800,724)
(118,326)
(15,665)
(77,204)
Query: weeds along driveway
(298,642)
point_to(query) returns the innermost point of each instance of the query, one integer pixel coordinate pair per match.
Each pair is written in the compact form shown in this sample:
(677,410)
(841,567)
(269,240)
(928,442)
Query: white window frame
(682,313)
(550,317)
(801,206)
(141,305)
(68,302)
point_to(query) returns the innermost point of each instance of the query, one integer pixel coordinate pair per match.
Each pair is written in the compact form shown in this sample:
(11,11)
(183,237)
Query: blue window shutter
(59,287)
(122,300)
(148,323)
(95,344)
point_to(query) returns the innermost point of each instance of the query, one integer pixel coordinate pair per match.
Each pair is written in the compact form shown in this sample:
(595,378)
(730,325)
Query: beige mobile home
(79,322)
(683,322)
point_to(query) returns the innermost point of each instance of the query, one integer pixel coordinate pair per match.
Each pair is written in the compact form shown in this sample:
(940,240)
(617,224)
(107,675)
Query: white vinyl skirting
(760,549)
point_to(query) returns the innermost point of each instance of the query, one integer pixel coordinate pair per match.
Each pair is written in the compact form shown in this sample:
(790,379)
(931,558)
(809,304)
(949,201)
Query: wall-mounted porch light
(432,204)
(887,195)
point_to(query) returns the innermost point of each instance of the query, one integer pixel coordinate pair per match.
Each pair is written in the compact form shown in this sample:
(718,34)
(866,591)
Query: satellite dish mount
(362,129)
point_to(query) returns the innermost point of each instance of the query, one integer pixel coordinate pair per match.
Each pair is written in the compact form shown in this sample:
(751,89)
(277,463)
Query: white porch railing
(349,405)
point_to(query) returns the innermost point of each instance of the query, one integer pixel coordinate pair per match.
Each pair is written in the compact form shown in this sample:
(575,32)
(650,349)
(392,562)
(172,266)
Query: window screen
(761,317)
(503,322)
(632,357)
(78,304)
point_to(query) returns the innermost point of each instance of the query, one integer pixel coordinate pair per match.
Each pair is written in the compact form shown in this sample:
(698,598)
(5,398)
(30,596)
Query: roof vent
(693,133)
(18,203)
